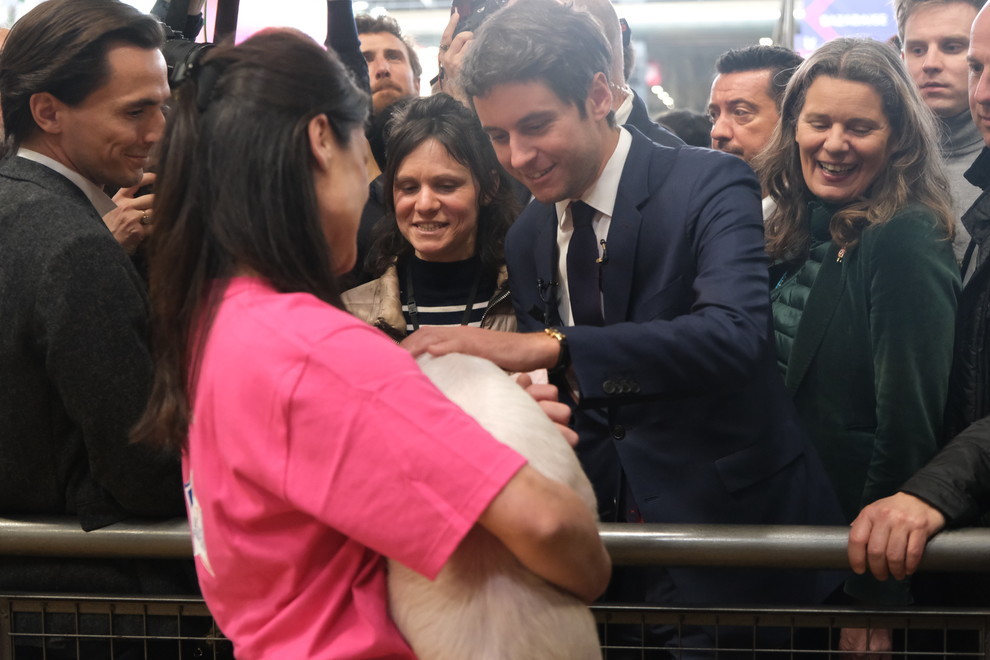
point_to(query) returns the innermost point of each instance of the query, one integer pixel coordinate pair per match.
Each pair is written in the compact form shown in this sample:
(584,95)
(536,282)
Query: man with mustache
(744,104)
(393,65)
(935,37)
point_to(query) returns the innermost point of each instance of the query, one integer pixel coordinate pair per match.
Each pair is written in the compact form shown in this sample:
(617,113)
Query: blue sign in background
(825,20)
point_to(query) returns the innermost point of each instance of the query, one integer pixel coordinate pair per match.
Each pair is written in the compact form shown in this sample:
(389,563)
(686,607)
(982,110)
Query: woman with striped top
(439,253)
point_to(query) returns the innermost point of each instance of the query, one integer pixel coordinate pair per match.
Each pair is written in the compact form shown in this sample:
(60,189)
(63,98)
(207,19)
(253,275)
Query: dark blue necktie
(582,268)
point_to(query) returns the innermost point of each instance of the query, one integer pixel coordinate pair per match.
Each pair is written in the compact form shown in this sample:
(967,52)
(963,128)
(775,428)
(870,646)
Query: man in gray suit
(84,87)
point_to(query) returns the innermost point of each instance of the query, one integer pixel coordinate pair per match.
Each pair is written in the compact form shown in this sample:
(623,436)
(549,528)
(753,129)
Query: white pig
(484,605)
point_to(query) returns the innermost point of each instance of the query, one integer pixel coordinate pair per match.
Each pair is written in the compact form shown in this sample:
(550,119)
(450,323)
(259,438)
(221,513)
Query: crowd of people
(786,326)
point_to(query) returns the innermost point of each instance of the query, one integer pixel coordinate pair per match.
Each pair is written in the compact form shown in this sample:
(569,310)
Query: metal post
(226,23)
(785,31)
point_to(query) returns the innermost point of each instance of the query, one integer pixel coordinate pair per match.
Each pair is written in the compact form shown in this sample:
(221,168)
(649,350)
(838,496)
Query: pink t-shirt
(317,446)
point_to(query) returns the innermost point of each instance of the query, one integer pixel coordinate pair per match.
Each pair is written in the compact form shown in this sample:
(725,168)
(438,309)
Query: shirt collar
(624,110)
(99,199)
(602,193)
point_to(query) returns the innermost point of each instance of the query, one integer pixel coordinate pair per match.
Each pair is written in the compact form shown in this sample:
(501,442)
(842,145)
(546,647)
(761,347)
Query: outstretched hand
(510,350)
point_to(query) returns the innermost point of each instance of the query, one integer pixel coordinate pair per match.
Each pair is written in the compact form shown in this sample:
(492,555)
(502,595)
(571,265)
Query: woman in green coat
(864,278)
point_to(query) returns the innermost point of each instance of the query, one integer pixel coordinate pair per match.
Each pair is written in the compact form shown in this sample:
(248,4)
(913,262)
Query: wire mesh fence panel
(653,633)
(39,627)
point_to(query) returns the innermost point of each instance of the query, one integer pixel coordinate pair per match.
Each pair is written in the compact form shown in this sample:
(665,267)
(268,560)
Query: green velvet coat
(870,359)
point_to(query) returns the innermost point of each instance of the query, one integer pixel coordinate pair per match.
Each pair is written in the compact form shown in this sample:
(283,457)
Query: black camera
(180,52)
(474,12)
(180,55)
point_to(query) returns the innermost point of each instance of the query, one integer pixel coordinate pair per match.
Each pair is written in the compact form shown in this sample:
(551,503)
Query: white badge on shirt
(196,526)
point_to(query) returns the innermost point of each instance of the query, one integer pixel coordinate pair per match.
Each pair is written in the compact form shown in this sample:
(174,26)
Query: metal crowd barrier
(65,627)
(767,546)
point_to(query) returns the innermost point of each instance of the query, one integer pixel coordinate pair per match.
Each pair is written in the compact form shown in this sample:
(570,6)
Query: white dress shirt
(624,110)
(601,197)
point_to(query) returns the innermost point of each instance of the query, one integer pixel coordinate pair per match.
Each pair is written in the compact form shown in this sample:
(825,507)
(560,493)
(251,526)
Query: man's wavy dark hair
(537,40)
(60,47)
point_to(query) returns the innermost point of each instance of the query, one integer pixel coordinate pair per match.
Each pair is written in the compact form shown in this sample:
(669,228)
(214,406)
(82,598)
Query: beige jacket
(378,302)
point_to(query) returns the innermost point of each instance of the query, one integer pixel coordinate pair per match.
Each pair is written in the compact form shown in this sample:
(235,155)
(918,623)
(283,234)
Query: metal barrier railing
(766,546)
(57,626)
(775,546)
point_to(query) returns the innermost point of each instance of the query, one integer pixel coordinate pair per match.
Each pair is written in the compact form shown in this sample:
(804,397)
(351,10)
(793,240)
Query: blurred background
(676,42)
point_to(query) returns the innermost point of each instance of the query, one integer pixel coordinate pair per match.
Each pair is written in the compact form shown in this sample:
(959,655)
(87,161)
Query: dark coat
(957,480)
(75,366)
(869,367)
(679,393)
(969,391)
(640,120)
(957,483)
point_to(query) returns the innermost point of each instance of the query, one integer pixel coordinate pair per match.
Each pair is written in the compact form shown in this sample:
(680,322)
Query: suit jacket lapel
(624,231)
(545,254)
(617,272)
(818,312)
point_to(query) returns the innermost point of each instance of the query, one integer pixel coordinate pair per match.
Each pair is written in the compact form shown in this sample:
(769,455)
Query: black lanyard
(411,300)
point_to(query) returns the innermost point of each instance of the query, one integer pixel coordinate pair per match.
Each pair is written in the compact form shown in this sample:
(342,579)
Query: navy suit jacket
(678,391)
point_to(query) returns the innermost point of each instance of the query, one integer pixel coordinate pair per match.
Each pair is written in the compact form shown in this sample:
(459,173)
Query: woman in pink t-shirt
(312,446)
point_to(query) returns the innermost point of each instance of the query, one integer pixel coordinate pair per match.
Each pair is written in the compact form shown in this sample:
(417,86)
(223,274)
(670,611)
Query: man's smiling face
(544,142)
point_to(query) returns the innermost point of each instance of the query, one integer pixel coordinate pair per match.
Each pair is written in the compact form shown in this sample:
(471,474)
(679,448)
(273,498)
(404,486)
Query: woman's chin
(346,265)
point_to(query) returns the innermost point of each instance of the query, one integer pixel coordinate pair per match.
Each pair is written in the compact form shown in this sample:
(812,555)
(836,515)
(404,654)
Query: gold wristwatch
(564,357)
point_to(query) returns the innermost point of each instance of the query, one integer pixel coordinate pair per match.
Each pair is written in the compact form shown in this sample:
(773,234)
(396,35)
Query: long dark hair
(913,173)
(236,192)
(445,120)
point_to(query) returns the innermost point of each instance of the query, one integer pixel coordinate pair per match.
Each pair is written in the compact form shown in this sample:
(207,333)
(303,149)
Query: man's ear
(47,112)
(321,141)
(599,101)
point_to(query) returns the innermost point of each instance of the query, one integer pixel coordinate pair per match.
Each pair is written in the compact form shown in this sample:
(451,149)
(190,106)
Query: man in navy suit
(681,415)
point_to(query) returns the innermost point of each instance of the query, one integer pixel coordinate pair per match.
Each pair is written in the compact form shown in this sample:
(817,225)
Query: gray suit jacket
(75,371)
